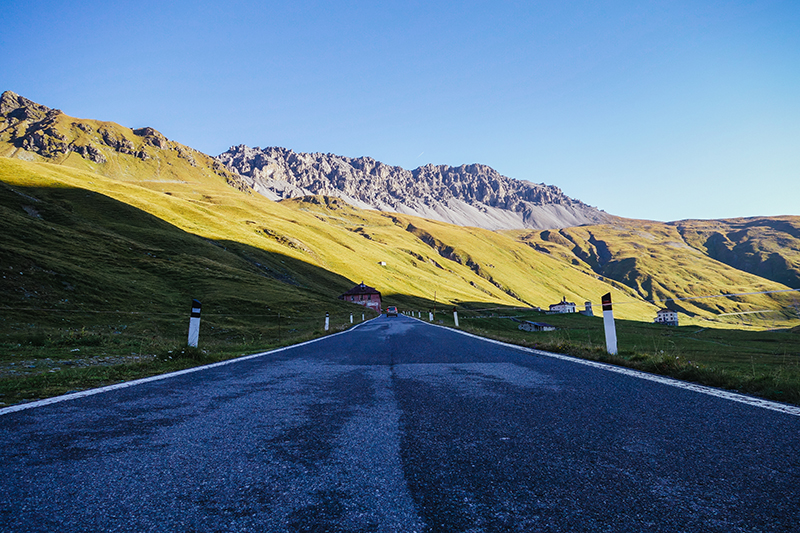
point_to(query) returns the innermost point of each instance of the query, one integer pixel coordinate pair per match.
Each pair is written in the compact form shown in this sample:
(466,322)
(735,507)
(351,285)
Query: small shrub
(185,352)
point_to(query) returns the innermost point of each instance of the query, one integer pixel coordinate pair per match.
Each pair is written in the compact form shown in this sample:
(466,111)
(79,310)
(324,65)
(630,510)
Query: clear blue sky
(647,109)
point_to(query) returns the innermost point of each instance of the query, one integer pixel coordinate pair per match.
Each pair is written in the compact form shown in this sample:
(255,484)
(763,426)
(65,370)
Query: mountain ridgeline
(469,195)
(35,132)
(103,209)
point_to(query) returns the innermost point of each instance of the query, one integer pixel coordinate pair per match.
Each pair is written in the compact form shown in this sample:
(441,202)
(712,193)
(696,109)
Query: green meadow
(765,363)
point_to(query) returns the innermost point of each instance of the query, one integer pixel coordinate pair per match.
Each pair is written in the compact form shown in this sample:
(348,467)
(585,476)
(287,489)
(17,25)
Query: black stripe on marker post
(606,298)
(609,326)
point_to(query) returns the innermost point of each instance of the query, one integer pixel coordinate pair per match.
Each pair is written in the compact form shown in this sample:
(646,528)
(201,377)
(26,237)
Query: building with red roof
(363,295)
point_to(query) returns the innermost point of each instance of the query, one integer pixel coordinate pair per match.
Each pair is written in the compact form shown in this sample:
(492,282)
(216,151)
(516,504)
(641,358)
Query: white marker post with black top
(609,326)
(194,324)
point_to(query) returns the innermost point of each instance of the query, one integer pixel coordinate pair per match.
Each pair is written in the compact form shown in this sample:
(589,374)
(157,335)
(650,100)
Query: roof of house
(360,289)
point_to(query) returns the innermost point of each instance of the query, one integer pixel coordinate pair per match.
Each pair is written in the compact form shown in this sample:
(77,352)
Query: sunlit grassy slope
(320,246)
(316,247)
(672,263)
(142,156)
(467,266)
(766,246)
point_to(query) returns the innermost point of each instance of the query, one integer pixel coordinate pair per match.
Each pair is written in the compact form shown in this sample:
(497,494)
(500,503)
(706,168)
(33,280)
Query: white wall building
(563,307)
(666,316)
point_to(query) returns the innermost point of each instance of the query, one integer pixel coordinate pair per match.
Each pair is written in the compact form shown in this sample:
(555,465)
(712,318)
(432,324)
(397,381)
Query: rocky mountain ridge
(468,195)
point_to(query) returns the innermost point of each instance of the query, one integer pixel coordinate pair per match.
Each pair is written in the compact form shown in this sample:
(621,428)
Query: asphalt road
(400,426)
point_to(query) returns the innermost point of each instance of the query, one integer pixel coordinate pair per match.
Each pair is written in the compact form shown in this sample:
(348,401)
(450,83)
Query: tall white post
(455,316)
(609,326)
(430,316)
(327,321)
(194,324)
(362,317)
(351,318)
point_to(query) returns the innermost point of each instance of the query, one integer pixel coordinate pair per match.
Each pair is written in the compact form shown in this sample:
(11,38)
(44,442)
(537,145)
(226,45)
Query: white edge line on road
(702,389)
(91,392)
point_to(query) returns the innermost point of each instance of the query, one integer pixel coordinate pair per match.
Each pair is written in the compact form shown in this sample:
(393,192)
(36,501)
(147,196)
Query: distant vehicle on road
(391,311)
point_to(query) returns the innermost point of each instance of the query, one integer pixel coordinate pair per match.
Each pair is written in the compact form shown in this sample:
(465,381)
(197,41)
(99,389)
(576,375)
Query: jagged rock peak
(29,131)
(468,195)
(20,108)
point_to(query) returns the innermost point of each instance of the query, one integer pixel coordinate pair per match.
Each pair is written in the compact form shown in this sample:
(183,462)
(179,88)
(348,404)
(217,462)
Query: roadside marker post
(194,324)
(609,326)
(351,318)
(362,317)
(327,321)
(430,316)
(455,316)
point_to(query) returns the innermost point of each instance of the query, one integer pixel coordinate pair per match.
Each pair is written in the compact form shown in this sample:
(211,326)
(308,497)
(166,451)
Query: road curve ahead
(400,426)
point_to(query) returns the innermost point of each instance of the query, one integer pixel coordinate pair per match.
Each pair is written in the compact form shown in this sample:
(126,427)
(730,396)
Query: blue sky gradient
(662,110)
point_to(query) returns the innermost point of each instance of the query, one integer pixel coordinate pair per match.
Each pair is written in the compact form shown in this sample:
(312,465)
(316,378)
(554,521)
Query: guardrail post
(194,323)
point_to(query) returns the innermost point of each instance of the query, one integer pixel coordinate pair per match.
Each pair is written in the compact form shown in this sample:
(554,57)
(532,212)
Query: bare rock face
(41,130)
(469,195)
(18,108)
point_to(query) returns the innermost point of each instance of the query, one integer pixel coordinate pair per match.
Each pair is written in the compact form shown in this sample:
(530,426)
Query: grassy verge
(42,362)
(761,363)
